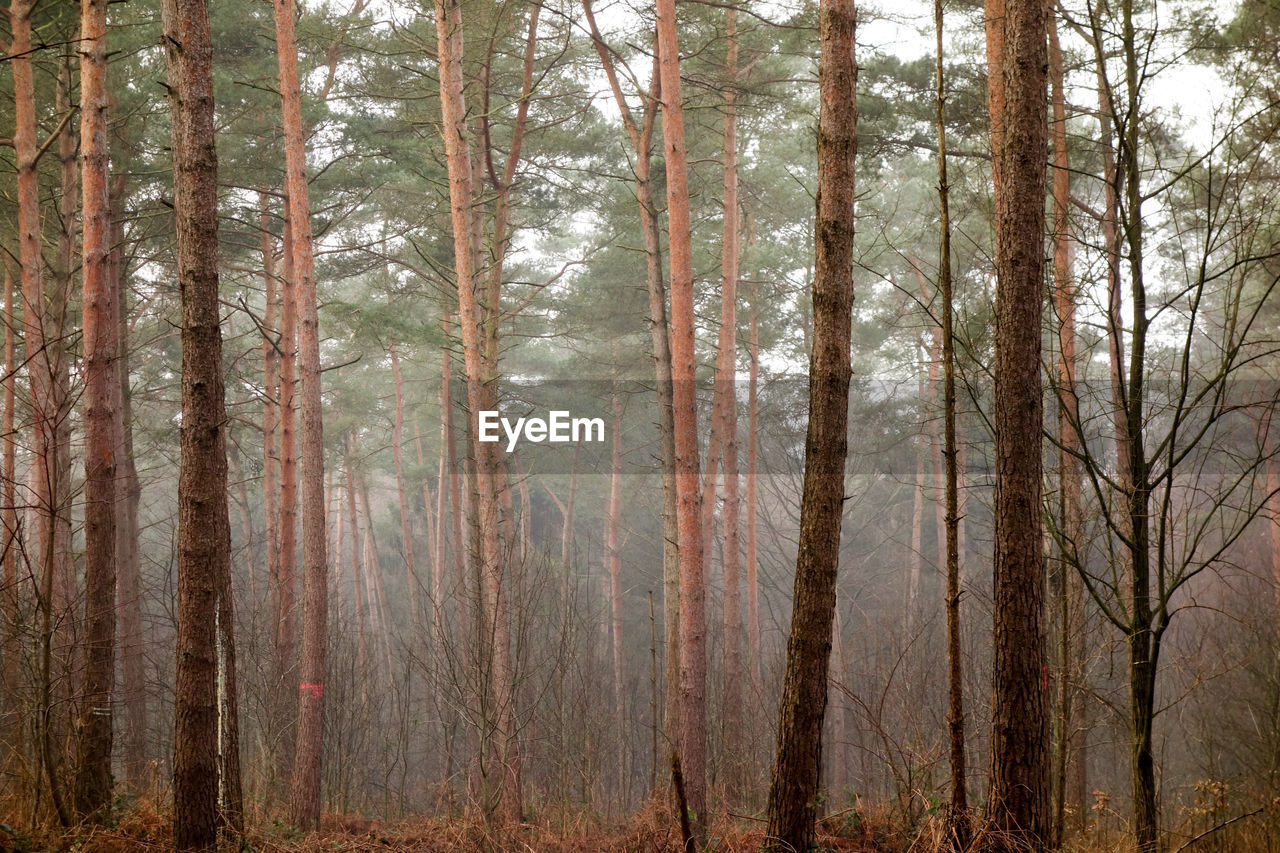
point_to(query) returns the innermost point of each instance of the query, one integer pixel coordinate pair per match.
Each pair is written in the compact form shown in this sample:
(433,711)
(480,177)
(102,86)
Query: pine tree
(204,532)
(797,769)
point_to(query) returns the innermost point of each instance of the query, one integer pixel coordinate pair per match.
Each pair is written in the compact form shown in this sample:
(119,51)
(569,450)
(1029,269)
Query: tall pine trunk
(726,389)
(793,791)
(43,467)
(101,330)
(692,741)
(132,636)
(659,337)
(305,797)
(1019,801)
(204,531)
(479,357)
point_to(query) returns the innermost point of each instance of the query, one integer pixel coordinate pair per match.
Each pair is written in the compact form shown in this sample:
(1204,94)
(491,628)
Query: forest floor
(147,827)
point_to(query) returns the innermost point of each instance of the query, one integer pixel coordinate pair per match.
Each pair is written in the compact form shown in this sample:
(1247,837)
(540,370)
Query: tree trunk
(271,411)
(613,551)
(1144,641)
(362,643)
(1068,753)
(457,508)
(44,410)
(692,748)
(506,806)
(406,535)
(132,637)
(433,511)
(101,330)
(305,805)
(203,525)
(231,796)
(793,791)
(11,650)
(917,546)
(286,613)
(726,388)
(379,622)
(958,809)
(994,26)
(58,298)
(642,141)
(1019,738)
(753,425)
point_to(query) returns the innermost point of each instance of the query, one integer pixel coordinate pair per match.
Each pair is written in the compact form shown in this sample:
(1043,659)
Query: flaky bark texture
(1019,799)
(692,741)
(204,533)
(797,768)
(93,767)
(305,797)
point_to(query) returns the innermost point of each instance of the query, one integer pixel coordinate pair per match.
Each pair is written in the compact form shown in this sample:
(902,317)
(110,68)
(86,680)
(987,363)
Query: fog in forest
(424,423)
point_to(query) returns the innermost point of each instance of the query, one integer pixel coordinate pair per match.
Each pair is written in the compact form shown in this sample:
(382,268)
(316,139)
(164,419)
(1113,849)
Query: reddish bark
(726,389)
(994,23)
(479,358)
(642,141)
(305,804)
(101,330)
(692,749)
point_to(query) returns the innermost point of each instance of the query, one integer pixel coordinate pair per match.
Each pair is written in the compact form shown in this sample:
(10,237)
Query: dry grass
(146,827)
